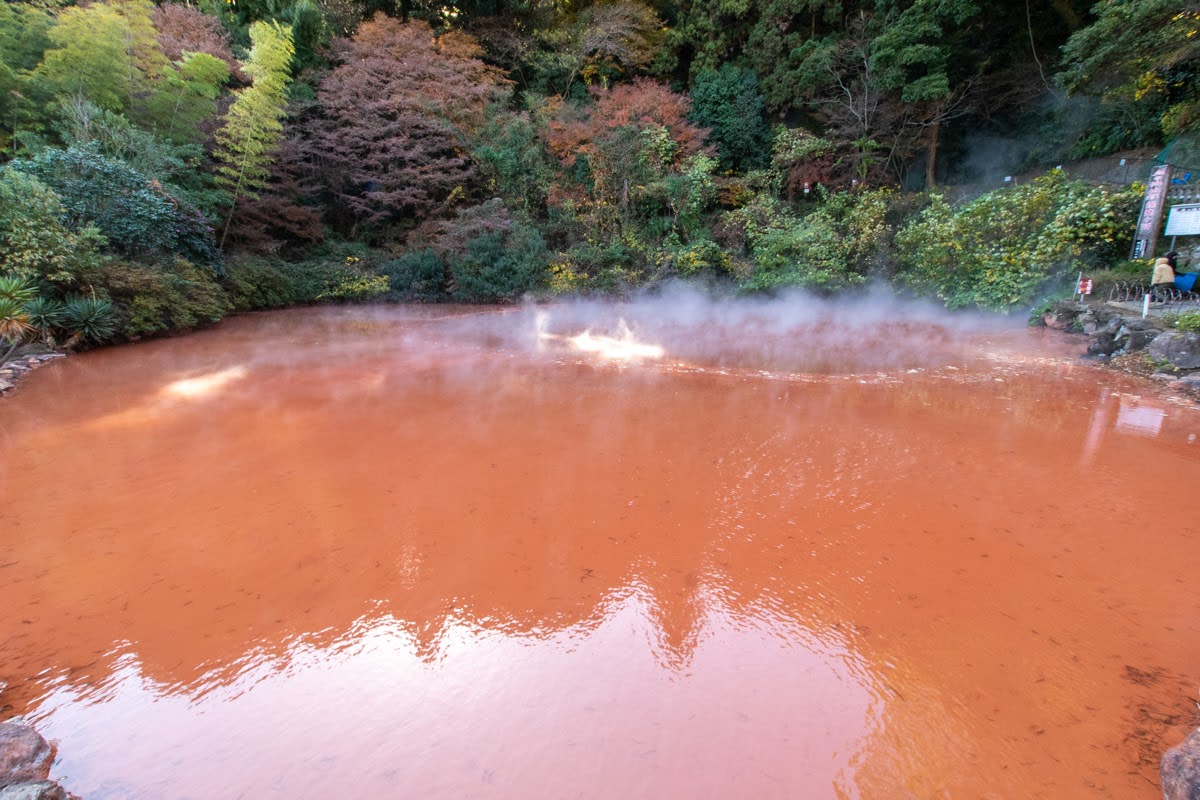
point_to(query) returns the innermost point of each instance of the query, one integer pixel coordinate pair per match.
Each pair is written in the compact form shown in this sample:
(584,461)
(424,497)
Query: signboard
(1184,220)
(1085,286)
(1146,235)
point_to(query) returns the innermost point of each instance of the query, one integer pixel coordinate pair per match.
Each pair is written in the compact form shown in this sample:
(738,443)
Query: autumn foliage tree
(395,114)
(628,154)
(184,29)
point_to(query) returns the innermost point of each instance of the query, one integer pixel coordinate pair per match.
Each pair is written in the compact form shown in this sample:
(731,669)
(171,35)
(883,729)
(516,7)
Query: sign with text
(1085,286)
(1146,235)
(1184,220)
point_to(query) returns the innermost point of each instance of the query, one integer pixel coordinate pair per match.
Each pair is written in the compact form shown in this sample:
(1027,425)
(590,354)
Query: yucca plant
(88,319)
(45,316)
(14,321)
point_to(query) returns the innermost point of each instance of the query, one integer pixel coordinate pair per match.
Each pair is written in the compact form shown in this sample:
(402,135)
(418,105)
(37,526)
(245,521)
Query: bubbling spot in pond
(623,347)
(203,384)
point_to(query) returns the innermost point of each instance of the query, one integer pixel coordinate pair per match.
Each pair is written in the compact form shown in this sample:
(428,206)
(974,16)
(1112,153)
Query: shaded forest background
(164,164)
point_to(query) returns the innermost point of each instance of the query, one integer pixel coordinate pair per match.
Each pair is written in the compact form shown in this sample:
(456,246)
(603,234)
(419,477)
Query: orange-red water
(403,553)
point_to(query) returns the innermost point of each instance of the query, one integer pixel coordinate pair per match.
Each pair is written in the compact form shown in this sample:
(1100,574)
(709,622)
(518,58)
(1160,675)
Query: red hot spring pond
(715,550)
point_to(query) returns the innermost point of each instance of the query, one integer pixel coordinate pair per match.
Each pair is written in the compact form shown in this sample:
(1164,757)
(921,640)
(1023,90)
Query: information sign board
(1184,220)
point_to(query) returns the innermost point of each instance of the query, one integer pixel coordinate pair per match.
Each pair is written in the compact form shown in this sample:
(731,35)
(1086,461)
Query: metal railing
(1161,297)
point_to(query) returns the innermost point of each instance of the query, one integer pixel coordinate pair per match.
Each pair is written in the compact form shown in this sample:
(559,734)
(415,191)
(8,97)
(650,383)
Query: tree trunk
(931,155)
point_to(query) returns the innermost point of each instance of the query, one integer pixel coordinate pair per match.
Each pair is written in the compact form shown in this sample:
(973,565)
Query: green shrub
(1000,250)
(151,299)
(837,245)
(360,286)
(257,283)
(418,276)
(34,240)
(135,214)
(260,283)
(501,265)
(611,266)
(1189,322)
(702,259)
(46,315)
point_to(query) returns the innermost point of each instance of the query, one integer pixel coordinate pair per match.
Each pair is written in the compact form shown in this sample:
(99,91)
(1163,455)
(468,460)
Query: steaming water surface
(449,552)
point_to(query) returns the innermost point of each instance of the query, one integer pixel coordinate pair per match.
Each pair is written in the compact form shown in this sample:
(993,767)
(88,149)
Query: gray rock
(1192,380)
(24,755)
(1179,772)
(1102,344)
(37,790)
(1164,376)
(1137,340)
(6,385)
(1057,321)
(1180,349)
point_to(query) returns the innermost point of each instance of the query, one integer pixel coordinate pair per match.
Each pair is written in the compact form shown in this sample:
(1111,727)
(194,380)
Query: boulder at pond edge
(1178,348)
(1180,770)
(24,755)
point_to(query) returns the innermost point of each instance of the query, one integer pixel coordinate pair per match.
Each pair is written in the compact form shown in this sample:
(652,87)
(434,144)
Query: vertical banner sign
(1146,235)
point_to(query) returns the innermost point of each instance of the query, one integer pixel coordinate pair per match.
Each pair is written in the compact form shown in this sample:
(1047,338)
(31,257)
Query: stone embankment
(1167,355)
(25,759)
(12,371)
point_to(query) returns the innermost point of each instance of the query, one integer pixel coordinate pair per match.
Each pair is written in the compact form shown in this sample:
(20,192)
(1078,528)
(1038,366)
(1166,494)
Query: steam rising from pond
(624,347)
(791,333)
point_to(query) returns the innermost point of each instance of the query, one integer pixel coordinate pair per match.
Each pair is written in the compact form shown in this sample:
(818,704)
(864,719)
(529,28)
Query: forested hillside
(165,164)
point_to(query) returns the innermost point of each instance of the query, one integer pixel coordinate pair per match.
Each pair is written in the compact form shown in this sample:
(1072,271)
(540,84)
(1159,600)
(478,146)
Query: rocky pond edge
(13,370)
(25,759)
(1126,342)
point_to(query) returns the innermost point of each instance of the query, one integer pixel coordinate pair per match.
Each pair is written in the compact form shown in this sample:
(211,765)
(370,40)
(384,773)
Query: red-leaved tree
(636,146)
(286,214)
(183,29)
(394,117)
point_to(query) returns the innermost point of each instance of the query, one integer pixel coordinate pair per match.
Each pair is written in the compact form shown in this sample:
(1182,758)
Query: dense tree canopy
(347,148)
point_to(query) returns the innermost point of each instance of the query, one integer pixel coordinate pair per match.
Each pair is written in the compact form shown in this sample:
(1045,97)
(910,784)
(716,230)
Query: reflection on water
(408,552)
(203,384)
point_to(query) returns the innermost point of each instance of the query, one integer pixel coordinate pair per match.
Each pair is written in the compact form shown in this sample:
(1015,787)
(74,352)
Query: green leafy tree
(836,245)
(134,215)
(185,97)
(705,35)
(106,52)
(254,123)
(999,250)
(1141,53)
(727,102)
(89,57)
(512,156)
(23,39)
